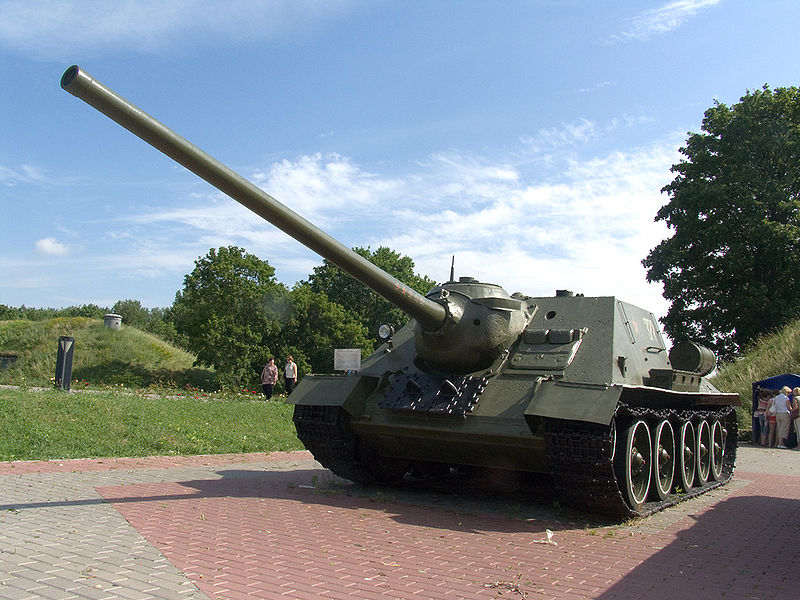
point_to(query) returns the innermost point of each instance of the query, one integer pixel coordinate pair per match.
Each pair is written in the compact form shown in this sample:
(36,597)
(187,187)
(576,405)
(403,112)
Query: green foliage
(157,321)
(229,312)
(366,305)
(316,326)
(53,424)
(101,355)
(132,312)
(769,355)
(731,266)
(232,315)
(27,313)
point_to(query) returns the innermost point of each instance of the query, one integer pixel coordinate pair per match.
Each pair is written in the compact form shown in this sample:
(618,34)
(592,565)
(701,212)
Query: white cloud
(584,224)
(321,188)
(588,232)
(663,19)
(22,174)
(597,86)
(55,28)
(51,247)
(568,134)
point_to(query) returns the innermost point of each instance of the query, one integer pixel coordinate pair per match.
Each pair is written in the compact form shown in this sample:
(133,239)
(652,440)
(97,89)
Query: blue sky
(529,139)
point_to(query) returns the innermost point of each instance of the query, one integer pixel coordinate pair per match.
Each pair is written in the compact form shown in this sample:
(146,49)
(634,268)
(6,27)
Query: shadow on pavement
(745,546)
(501,501)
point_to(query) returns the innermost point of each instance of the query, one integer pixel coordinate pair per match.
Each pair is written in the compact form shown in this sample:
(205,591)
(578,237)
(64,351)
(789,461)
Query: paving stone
(230,527)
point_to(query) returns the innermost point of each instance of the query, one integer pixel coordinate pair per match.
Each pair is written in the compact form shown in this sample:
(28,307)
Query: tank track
(580,455)
(324,432)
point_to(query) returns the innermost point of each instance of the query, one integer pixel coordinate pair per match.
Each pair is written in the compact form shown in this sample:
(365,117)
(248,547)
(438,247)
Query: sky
(528,139)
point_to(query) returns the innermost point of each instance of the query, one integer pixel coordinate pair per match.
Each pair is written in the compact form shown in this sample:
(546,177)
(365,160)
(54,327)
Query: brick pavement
(278,526)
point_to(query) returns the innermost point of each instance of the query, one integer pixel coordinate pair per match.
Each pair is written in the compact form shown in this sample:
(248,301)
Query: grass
(101,355)
(133,394)
(770,355)
(51,424)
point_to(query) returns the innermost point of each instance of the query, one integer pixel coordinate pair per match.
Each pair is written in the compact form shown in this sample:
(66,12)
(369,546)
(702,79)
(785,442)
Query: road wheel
(687,449)
(637,459)
(663,459)
(613,439)
(703,452)
(717,449)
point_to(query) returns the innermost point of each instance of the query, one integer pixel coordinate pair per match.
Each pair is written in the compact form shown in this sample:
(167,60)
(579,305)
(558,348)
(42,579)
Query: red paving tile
(264,536)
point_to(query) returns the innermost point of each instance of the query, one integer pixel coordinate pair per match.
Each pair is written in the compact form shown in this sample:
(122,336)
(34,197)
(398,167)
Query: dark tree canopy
(730,267)
(316,327)
(233,314)
(229,311)
(370,309)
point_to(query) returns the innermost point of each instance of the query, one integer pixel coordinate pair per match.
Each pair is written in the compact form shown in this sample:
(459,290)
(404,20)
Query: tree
(731,265)
(84,310)
(132,313)
(370,309)
(316,326)
(229,310)
(153,320)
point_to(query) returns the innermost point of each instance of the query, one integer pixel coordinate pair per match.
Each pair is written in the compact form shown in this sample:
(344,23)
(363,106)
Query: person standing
(795,410)
(782,405)
(772,424)
(289,374)
(269,377)
(761,415)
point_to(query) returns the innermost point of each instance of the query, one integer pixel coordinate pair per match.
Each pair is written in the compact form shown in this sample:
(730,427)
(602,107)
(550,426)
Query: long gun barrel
(430,315)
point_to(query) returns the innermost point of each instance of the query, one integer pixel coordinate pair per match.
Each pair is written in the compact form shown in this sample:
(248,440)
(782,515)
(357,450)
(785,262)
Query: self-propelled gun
(582,388)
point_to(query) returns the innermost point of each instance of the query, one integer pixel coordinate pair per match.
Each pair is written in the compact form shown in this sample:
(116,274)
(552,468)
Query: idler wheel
(636,461)
(704,452)
(717,449)
(687,462)
(663,459)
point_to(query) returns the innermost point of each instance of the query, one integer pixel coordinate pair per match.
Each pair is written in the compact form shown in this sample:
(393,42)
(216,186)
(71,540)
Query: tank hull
(557,403)
(580,456)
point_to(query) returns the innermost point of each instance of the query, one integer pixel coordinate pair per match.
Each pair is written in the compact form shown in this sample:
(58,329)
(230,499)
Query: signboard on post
(347,359)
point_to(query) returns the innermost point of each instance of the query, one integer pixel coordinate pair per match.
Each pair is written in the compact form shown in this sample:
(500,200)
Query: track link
(325,433)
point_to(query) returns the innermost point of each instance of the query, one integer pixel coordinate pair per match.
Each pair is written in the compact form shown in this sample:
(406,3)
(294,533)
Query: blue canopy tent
(773,384)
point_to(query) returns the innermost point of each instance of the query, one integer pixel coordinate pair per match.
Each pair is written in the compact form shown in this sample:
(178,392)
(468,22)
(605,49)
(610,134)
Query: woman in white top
(289,374)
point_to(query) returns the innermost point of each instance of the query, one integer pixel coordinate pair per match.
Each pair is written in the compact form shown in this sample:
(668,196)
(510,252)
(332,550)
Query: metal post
(66,347)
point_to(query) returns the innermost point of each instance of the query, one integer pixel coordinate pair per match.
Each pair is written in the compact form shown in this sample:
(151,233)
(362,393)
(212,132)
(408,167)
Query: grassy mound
(127,356)
(770,355)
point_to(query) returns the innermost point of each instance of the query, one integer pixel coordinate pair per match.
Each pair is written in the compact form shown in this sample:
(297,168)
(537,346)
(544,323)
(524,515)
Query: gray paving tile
(60,539)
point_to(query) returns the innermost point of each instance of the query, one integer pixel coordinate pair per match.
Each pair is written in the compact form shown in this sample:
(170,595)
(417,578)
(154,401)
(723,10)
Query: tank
(580,388)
